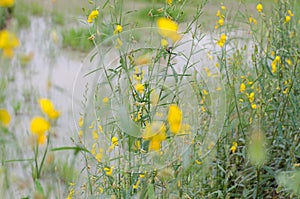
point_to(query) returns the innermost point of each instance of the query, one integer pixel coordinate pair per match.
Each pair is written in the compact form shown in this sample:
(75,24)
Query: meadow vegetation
(178,99)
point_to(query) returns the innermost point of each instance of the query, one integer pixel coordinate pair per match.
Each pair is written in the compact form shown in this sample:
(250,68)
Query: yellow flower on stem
(242,87)
(259,7)
(251,97)
(287,19)
(140,88)
(114,143)
(168,29)
(7,3)
(108,170)
(222,40)
(174,118)
(48,108)
(234,147)
(39,126)
(93,15)
(221,22)
(8,42)
(4,117)
(118,29)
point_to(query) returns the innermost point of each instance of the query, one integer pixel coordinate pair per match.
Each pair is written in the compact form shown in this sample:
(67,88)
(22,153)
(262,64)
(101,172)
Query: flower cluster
(92,16)
(155,132)
(221,17)
(274,64)
(39,125)
(289,16)
(221,42)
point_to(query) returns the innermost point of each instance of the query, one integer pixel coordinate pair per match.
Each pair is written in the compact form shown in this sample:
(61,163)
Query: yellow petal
(4,117)
(39,126)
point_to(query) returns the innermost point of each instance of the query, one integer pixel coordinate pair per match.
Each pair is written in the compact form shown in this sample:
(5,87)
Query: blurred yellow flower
(287,18)
(105,99)
(7,3)
(259,7)
(48,108)
(108,170)
(174,118)
(140,88)
(8,41)
(290,13)
(118,29)
(114,141)
(169,2)
(95,135)
(164,43)
(93,15)
(168,28)
(234,147)
(223,7)
(99,155)
(222,40)
(253,106)
(38,127)
(251,97)
(4,117)
(221,22)
(156,133)
(242,87)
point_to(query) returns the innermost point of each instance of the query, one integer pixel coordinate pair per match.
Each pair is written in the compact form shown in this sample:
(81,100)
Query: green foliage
(77,38)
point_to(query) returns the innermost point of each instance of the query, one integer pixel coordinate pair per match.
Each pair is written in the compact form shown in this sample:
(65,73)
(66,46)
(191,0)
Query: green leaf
(39,187)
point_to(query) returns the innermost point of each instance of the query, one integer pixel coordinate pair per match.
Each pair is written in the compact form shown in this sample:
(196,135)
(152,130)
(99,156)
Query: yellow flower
(48,108)
(242,87)
(221,22)
(80,122)
(174,118)
(223,7)
(8,42)
(38,127)
(108,170)
(222,40)
(93,15)
(168,28)
(218,14)
(114,141)
(287,18)
(105,100)
(259,7)
(253,106)
(99,155)
(251,97)
(118,29)
(164,43)
(7,3)
(234,147)
(290,13)
(252,20)
(4,117)
(169,2)
(156,133)
(140,88)
(95,135)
